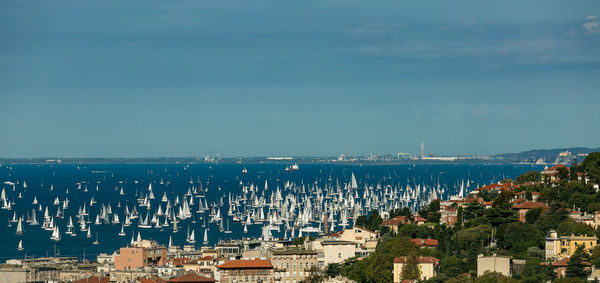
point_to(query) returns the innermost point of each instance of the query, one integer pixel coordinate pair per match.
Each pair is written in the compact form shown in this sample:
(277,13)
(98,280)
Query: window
(339,255)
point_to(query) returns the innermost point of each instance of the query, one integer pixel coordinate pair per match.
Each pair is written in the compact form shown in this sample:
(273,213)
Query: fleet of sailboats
(287,208)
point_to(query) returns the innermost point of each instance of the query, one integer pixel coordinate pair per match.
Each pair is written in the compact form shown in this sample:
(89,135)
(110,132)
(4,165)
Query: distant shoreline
(533,157)
(254,161)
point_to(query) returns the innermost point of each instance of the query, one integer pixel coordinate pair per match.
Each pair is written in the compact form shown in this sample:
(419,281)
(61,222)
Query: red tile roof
(402,220)
(530,205)
(425,242)
(179,261)
(191,277)
(241,264)
(337,234)
(555,168)
(502,187)
(420,219)
(421,259)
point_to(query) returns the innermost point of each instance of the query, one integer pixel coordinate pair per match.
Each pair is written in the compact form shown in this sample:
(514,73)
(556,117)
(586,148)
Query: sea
(80,183)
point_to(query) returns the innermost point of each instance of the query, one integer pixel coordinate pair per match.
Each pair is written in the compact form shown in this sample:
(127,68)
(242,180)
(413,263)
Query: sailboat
(20,227)
(227,231)
(192,238)
(20,246)
(55,234)
(96,241)
(122,233)
(205,237)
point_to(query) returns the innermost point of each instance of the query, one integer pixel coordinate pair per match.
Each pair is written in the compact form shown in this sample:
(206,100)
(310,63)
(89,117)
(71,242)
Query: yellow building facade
(564,246)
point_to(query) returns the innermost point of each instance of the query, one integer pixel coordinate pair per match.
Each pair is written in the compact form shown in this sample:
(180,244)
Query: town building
(94,279)
(191,278)
(592,219)
(429,267)
(425,243)
(335,252)
(143,253)
(523,208)
(204,265)
(252,270)
(495,263)
(448,216)
(564,246)
(550,175)
(395,222)
(293,264)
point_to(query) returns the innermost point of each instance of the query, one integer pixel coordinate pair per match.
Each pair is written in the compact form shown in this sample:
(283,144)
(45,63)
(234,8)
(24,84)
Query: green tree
(315,276)
(361,221)
(503,200)
(373,221)
(472,253)
(494,277)
(501,215)
(595,256)
(569,227)
(333,270)
(517,237)
(410,269)
(576,268)
(462,278)
(535,272)
(563,173)
(529,176)
(532,215)
(591,167)
(452,266)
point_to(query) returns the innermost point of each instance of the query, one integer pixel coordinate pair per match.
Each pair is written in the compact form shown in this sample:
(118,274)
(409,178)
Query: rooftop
(191,277)
(421,259)
(245,263)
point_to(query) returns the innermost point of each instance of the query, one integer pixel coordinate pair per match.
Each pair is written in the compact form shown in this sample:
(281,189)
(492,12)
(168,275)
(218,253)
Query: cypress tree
(576,268)
(410,269)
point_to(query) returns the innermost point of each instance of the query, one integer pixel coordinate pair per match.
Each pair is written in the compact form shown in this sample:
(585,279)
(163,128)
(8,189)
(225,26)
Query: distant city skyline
(310,78)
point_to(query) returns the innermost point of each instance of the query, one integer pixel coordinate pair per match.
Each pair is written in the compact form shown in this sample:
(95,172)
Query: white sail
(19,227)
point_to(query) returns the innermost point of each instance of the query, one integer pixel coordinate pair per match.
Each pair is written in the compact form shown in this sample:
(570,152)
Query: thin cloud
(592,25)
(374,29)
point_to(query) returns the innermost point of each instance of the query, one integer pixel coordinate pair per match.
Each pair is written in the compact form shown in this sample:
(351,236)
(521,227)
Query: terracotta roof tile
(178,261)
(191,277)
(425,242)
(240,264)
(530,205)
(421,259)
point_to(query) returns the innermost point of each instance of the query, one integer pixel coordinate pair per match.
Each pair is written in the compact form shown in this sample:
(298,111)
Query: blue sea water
(104,181)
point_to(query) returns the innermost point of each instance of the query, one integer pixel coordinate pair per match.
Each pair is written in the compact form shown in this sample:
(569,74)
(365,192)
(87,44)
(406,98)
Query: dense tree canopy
(495,230)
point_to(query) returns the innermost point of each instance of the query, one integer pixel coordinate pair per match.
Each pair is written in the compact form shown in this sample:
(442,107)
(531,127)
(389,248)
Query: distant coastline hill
(538,156)
(558,155)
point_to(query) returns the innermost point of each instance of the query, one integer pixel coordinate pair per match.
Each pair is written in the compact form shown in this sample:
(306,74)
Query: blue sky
(189,78)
